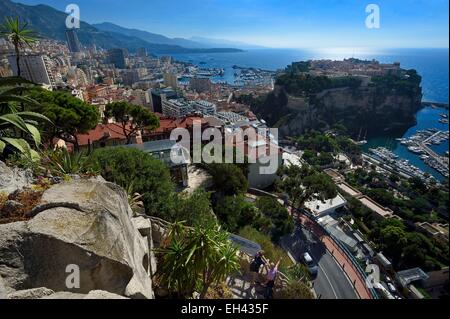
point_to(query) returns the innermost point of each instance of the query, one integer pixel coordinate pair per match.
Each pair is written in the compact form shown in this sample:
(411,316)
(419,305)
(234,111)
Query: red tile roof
(102,131)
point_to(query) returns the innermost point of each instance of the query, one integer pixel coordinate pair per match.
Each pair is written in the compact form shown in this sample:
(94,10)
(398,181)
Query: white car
(309,261)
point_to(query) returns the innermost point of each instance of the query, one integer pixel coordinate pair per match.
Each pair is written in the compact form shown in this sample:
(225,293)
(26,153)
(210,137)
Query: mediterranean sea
(431,64)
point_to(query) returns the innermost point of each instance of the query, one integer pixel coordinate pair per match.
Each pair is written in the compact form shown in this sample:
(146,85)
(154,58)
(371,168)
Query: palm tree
(19,35)
(11,120)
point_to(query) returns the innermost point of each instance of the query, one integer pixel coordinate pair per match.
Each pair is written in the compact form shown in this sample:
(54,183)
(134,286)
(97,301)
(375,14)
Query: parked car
(309,262)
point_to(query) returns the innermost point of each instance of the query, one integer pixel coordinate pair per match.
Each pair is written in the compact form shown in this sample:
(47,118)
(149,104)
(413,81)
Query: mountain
(50,23)
(193,42)
(148,36)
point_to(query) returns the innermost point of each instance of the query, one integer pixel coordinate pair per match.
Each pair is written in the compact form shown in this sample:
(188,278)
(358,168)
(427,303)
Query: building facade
(34,68)
(73,43)
(176,108)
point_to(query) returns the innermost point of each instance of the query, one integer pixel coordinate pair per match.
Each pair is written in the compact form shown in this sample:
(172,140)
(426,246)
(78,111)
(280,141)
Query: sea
(431,64)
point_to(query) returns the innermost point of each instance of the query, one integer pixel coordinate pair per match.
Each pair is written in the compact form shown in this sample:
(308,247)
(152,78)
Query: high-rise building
(130,77)
(170,80)
(72,41)
(200,84)
(205,107)
(141,52)
(116,57)
(176,108)
(34,68)
(157,96)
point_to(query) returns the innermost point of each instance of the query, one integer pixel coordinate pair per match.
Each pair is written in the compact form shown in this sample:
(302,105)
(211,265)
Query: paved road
(331,281)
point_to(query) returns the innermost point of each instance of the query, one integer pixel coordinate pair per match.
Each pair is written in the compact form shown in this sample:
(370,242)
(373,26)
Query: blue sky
(278,23)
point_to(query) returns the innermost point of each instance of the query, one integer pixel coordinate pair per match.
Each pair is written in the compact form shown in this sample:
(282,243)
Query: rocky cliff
(372,108)
(81,241)
(359,110)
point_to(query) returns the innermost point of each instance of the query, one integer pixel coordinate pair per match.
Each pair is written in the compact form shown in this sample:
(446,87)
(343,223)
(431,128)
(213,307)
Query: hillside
(148,36)
(50,23)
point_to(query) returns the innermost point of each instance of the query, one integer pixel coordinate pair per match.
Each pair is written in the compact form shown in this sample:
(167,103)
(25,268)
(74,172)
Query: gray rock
(13,179)
(95,294)
(86,223)
(2,289)
(35,293)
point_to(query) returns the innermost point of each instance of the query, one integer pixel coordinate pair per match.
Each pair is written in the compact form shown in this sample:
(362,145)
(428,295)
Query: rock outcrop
(13,179)
(84,225)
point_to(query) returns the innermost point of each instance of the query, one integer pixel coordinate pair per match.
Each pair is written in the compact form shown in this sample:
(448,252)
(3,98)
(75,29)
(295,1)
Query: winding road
(331,281)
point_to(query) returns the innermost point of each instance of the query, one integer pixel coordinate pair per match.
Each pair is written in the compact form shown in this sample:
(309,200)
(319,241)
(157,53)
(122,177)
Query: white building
(34,68)
(176,108)
(205,107)
(321,208)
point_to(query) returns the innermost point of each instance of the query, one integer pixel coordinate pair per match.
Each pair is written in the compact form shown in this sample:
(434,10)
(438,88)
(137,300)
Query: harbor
(420,144)
(424,146)
(393,163)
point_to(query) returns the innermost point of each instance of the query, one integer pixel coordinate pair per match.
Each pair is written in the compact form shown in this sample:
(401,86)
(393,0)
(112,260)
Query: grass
(272,251)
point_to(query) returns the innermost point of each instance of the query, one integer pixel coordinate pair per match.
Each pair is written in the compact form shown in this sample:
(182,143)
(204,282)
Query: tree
(70,115)
(235,212)
(393,239)
(193,259)
(192,208)
(13,121)
(281,222)
(150,177)
(19,35)
(228,178)
(304,183)
(132,118)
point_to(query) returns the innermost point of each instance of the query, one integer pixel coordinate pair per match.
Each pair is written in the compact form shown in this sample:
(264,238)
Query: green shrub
(295,290)
(272,251)
(281,222)
(150,177)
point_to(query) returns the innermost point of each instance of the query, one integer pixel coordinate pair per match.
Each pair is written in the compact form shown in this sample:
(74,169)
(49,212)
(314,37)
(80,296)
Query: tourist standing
(271,277)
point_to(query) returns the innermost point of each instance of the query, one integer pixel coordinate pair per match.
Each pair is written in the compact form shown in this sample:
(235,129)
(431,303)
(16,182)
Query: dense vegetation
(414,202)
(403,85)
(69,115)
(320,149)
(304,84)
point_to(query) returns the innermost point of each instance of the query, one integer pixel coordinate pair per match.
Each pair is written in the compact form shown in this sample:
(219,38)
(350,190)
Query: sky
(278,23)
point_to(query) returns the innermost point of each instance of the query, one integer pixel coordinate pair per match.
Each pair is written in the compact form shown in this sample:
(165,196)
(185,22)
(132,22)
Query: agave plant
(134,199)
(61,162)
(13,122)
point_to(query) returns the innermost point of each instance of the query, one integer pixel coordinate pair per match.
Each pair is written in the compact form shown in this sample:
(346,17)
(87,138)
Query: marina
(420,144)
(393,161)
(425,145)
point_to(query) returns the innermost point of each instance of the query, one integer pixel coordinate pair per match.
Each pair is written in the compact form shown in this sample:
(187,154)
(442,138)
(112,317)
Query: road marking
(329,281)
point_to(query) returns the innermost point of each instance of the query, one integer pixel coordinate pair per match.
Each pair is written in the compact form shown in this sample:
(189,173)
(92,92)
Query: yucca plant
(195,258)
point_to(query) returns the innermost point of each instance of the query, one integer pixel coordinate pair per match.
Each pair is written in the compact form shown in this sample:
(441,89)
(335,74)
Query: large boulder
(85,225)
(13,179)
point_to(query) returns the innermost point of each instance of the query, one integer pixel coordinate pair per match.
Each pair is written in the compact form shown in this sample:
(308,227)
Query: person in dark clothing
(256,264)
